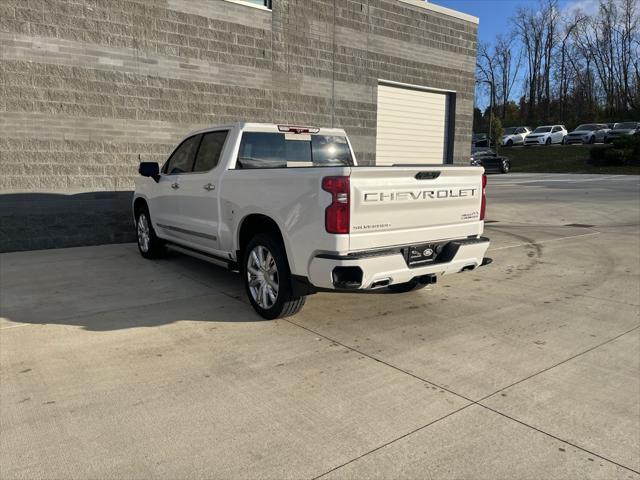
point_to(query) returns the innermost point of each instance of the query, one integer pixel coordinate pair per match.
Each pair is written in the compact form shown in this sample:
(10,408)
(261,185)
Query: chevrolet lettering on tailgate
(410,195)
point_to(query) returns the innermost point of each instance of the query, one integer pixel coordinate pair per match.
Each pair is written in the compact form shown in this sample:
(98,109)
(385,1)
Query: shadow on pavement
(35,221)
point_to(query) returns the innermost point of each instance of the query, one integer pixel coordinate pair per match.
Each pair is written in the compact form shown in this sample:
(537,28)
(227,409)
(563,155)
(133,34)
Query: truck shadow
(111,287)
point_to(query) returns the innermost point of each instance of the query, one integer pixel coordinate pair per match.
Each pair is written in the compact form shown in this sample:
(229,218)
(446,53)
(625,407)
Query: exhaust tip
(486,261)
(381,283)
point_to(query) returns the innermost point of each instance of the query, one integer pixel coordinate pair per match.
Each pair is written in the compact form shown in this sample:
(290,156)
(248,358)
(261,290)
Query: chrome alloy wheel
(262,274)
(144,236)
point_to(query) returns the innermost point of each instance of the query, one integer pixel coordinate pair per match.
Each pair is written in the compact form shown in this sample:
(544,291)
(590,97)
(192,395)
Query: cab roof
(272,127)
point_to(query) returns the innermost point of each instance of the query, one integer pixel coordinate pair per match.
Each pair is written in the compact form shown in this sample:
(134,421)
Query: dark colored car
(490,160)
(622,129)
(480,140)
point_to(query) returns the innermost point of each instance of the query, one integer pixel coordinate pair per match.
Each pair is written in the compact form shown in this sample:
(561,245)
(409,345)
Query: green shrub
(629,148)
(496,132)
(597,154)
(624,151)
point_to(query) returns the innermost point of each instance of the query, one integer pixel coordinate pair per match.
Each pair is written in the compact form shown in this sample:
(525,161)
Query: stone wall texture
(86,86)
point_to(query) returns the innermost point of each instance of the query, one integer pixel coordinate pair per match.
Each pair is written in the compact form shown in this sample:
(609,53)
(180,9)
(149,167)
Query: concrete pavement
(112,366)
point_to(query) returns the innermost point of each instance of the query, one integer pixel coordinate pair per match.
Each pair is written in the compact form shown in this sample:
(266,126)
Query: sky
(495,17)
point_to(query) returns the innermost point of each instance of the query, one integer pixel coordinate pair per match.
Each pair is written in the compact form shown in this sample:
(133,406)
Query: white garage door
(412,126)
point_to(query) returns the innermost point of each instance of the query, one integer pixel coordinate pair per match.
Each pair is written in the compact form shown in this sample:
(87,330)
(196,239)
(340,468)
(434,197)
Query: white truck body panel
(389,207)
(294,200)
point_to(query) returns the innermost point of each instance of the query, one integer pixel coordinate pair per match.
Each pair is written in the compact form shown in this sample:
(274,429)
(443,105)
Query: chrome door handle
(175,185)
(209,187)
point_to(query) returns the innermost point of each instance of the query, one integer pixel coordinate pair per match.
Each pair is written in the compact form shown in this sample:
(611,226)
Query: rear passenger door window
(262,150)
(181,161)
(209,152)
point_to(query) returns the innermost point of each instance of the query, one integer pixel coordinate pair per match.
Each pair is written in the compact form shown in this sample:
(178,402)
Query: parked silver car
(588,133)
(514,136)
(622,129)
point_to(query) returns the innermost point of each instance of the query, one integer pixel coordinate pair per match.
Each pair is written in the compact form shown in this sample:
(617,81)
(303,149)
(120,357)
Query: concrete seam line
(472,402)
(371,357)
(497,225)
(379,447)
(504,224)
(541,242)
(558,364)
(556,180)
(557,438)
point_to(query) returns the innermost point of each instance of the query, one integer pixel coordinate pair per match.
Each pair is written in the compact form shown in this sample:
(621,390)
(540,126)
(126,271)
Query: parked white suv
(514,136)
(290,209)
(546,135)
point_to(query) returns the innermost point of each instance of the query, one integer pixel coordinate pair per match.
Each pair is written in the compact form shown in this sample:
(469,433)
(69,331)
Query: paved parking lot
(114,366)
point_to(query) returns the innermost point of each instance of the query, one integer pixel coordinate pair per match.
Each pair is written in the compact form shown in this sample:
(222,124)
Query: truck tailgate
(404,205)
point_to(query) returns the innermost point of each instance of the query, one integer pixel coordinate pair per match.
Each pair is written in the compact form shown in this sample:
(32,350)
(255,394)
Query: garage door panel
(429,113)
(416,143)
(401,92)
(415,102)
(419,128)
(430,116)
(412,126)
(410,100)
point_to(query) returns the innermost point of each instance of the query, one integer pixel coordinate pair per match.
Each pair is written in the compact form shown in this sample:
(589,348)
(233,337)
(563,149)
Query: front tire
(267,278)
(506,166)
(149,245)
(509,143)
(548,142)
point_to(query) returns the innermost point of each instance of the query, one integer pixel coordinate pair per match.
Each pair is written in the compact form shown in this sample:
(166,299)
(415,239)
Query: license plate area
(418,255)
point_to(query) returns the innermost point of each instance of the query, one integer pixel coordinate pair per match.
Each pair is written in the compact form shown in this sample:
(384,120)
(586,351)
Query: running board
(207,257)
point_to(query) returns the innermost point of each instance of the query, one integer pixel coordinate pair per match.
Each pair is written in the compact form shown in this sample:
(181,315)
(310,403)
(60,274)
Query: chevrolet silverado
(290,209)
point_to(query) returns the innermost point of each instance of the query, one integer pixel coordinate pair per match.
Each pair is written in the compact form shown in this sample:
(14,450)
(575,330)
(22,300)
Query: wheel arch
(138,204)
(253,224)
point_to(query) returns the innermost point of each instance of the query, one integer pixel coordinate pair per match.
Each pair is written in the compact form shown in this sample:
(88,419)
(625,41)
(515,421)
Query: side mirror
(149,169)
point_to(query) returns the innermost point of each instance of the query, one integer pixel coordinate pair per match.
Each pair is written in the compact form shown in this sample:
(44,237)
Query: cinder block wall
(88,85)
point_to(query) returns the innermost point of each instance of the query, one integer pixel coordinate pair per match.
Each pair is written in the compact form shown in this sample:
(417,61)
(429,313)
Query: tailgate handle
(427,175)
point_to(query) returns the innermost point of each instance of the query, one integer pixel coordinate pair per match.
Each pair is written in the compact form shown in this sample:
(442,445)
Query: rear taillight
(483,205)
(336,216)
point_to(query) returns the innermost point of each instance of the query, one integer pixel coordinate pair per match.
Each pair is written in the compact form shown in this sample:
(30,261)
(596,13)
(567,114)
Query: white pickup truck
(289,208)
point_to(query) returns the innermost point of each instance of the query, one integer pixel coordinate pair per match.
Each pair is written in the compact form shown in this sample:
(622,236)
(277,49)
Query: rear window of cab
(259,150)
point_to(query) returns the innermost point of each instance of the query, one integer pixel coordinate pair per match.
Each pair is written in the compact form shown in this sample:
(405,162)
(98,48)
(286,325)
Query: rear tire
(405,287)
(149,245)
(267,279)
